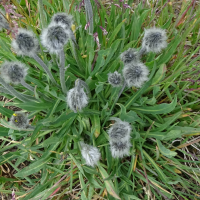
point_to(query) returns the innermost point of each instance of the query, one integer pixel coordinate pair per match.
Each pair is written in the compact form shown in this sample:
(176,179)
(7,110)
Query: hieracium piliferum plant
(86,102)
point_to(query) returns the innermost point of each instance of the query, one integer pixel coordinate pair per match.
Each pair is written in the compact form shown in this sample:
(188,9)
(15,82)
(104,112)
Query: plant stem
(120,92)
(41,10)
(89,15)
(27,86)
(3,90)
(141,52)
(13,91)
(46,69)
(62,71)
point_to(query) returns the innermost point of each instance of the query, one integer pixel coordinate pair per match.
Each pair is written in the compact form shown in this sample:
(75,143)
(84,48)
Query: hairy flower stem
(46,69)
(141,52)
(110,113)
(13,91)
(62,71)
(122,89)
(33,90)
(41,10)
(89,15)
(3,90)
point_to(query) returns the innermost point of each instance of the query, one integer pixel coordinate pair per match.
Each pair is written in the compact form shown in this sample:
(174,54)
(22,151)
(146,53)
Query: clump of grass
(151,151)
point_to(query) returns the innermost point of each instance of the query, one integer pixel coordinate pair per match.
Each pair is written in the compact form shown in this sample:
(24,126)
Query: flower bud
(64,19)
(135,74)
(115,79)
(54,37)
(3,21)
(77,99)
(13,72)
(90,154)
(120,131)
(25,43)
(155,39)
(131,55)
(120,149)
(20,120)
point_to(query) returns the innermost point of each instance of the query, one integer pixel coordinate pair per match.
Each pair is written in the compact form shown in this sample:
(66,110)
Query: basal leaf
(166,152)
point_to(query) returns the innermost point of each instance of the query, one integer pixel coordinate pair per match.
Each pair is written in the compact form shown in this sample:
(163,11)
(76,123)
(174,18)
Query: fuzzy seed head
(131,55)
(3,21)
(155,39)
(77,99)
(54,37)
(90,154)
(19,120)
(135,74)
(25,43)
(120,149)
(64,19)
(115,79)
(120,131)
(13,72)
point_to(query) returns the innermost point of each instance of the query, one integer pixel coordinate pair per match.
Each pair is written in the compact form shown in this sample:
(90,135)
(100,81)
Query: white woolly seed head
(115,79)
(135,74)
(54,37)
(155,39)
(13,72)
(3,21)
(63,18)
(120,149)
(120,131)
(131,55)
(20,120)
(77,99)
(25,43)
(90,154)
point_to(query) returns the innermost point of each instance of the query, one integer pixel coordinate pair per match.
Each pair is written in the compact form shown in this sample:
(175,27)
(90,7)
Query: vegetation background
(164,160)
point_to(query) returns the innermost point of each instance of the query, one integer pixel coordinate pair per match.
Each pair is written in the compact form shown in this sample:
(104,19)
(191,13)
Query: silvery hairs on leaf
(20,120)
(63,18)
(135,74)
(90,154)
(54,37)
(77,99)
(3,21)
(119,131)
(131,55)
(13,72)
(154,40)
(25,43)
(115,79)
(120,149)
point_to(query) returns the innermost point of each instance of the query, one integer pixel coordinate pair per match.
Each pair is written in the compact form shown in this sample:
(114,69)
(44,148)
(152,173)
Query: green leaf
(158,169)
(158,109)
(173,134)
(31,106)
(115,32)
(109,185)
(52,110)
(128,196)
(131,116)
(32,168)
(60,120)
(169,52)
(36,132)
(166,152)
(4,131)
(160,74)
(99,87)
(6,112)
